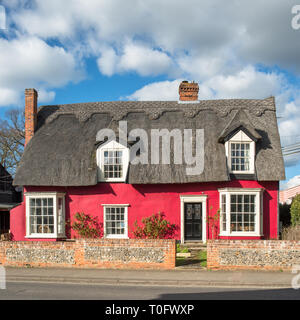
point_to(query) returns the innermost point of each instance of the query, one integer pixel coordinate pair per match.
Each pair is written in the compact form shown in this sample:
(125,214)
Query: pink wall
(144,200)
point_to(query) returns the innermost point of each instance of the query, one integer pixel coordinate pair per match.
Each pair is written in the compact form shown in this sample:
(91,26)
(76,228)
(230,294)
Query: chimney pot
(31,97)
(188,91)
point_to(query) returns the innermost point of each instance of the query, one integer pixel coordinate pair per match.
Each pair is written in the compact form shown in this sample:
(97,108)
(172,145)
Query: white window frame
(112,146)
(116,236)
(55,196)
(258,192)
(241,137)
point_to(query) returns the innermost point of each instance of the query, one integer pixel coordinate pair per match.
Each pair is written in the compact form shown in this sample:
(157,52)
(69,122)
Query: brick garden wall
(100,253)
(253,254)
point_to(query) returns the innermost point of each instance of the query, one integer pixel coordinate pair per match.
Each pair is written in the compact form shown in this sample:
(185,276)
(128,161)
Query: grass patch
(180,249)
(202,256)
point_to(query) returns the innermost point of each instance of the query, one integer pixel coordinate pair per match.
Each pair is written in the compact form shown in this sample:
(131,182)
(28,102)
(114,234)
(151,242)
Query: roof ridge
(199,102)
(154,109)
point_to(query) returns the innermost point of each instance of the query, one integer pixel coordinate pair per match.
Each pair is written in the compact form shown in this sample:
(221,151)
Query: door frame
(195,198)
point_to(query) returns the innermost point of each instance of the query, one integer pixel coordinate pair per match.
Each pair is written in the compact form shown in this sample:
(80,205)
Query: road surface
(57,291)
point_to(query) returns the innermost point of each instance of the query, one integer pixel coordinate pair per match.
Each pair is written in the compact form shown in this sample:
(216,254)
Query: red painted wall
(144,200)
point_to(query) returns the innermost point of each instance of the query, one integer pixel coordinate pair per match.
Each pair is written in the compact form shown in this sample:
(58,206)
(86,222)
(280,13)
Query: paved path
(179,278)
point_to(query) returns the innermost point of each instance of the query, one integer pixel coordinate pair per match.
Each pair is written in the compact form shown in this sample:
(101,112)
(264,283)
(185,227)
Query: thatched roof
(62,151)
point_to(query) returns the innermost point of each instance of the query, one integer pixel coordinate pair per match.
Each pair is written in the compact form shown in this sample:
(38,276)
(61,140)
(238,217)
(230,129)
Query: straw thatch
(63,149)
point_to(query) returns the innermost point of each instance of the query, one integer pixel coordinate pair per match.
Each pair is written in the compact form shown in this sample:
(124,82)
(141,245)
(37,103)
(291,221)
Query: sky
(103,50)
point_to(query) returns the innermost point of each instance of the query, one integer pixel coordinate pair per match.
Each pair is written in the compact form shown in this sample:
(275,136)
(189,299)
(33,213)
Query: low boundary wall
(100,253)
(253,254)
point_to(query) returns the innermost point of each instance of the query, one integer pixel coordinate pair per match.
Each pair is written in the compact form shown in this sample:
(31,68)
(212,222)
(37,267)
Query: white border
(116,236)
(258,192)
(112,146)
(55,196)
(195,198)
(241,137)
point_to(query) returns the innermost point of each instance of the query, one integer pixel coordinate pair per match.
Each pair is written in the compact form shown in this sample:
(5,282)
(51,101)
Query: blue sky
(101,50)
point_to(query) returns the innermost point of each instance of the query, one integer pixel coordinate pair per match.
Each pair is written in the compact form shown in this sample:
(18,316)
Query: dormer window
(240,152)
(112,161)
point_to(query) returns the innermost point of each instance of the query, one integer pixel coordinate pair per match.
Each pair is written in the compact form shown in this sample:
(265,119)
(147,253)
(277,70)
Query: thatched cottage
(125,160)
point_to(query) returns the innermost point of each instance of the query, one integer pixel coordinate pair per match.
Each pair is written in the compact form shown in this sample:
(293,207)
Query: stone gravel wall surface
(253,254)
(95,253)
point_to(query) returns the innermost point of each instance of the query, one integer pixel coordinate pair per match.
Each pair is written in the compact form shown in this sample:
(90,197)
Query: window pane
(115,161)
(41,212)
(223,213)
(114,221)
(242,213)
(32,211)
(240,156)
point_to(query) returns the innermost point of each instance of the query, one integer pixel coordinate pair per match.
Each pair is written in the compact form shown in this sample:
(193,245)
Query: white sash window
(45,215)
(241,212)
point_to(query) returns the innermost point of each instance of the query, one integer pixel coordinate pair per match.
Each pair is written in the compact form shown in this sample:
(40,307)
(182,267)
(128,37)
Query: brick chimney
(188,91)
(31,96)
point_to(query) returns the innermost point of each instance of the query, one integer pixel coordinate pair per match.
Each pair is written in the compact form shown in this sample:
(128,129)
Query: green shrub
(86,226)
(295,211)
(155,227)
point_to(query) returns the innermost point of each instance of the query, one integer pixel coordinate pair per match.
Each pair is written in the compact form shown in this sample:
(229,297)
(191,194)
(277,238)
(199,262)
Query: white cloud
(45,96)
(202,39)
(45,18)
(293,182)
(289,130)
(201,67)
(164,90)
(257,32)
(31,62)
(134,57)
(247,83)
(144,60)
(288,112)
(8,96)
(108,61)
